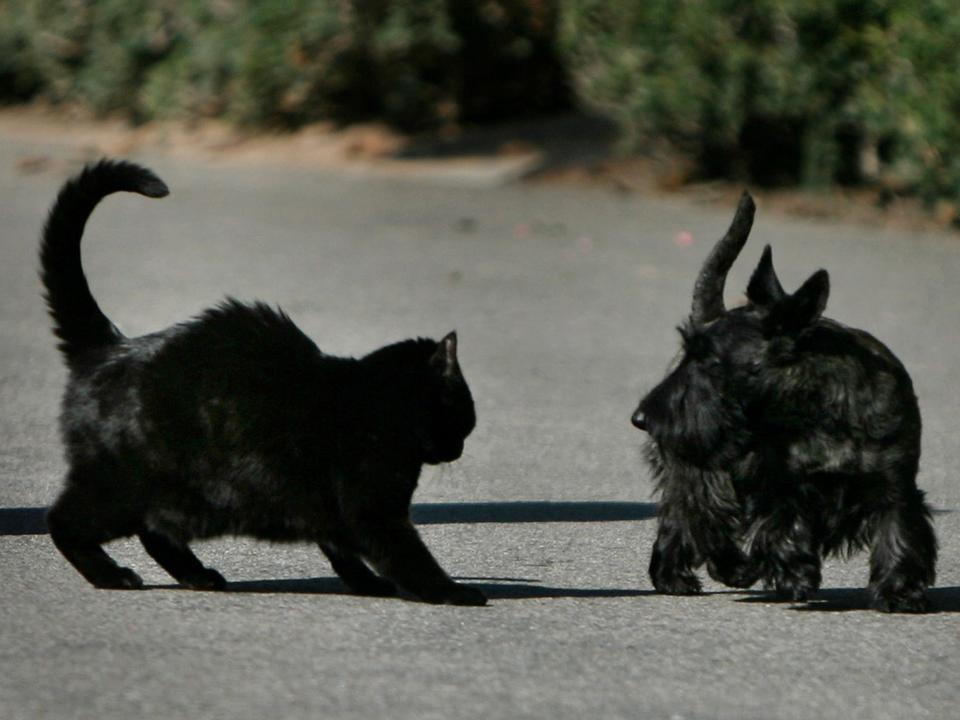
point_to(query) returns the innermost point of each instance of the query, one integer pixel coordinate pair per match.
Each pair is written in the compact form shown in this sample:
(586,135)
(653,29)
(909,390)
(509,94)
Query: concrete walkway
(565,301)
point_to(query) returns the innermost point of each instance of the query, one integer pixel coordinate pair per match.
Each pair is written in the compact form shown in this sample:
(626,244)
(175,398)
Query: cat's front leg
(355,573)
(79,524)
(395,550)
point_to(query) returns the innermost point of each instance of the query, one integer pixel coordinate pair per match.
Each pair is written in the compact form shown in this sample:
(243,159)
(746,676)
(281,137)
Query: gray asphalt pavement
(565,300)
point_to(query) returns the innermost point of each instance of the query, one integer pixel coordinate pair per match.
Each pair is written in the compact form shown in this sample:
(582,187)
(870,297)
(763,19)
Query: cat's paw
(373,586)
(464,595)
(122,579)
(454,594)
(206,579)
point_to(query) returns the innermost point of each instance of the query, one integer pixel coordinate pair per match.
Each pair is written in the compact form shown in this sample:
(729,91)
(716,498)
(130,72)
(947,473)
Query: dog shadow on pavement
(942,600)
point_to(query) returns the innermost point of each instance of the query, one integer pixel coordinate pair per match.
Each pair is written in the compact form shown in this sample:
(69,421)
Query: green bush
(920,104)
(777,91)
(413,63)
(814,91)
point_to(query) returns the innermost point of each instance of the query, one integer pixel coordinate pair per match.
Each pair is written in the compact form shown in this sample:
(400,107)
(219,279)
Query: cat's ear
(444,360)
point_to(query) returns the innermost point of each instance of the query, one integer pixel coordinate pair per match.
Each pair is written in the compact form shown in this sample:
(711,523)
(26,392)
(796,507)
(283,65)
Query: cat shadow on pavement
(23,521)
(516,589)
(32,520)
(530,511)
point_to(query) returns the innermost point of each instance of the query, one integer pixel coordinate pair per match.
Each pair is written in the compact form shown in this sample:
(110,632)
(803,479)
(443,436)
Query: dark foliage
(415,64)
(779,91)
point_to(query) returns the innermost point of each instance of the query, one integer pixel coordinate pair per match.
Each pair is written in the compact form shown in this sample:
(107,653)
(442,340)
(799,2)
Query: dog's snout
(639,420)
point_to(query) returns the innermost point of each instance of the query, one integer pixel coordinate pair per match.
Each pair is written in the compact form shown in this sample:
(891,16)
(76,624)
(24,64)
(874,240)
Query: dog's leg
(177,559)
(728,565)
(782,543)
(903,557)
(674,557)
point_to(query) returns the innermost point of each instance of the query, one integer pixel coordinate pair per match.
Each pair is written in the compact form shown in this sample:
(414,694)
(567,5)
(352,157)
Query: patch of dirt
(320,145)
(866,206)
(68,139)
(567,150)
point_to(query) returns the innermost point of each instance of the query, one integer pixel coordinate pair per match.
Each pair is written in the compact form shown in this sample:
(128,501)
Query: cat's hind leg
(178,560)
(354,572)
(79,524)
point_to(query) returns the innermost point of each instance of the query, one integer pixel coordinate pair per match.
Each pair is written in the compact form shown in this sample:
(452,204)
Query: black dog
(780,437)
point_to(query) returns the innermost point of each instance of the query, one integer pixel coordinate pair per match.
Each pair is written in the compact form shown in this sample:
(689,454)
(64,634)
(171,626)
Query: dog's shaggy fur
(780,437)
(235,423)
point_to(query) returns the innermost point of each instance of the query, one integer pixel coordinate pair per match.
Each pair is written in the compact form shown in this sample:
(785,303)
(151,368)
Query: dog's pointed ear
(811,299)
(444,359)
(765,288)
(796,311)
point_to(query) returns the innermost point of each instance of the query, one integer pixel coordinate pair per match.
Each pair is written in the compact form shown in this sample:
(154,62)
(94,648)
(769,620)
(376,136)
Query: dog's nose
(639,421)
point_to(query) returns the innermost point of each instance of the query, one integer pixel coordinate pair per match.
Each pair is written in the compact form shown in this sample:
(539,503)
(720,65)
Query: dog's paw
(914,601)
(740,575)
(687,584)
(743,577)
(797,582)
(795,592)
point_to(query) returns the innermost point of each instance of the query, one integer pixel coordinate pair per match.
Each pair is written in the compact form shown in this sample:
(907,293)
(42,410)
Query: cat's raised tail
(77,319)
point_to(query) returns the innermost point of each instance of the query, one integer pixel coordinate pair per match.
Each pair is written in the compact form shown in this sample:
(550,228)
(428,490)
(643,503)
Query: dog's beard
(705,498)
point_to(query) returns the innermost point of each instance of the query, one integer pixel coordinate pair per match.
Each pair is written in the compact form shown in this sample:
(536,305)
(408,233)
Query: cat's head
(423,397)
(447,406)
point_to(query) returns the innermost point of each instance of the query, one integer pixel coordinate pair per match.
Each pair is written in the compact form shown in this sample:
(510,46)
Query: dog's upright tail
(77,319)
(708,291)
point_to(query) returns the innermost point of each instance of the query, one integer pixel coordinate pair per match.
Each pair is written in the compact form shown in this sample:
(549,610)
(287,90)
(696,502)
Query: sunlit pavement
(565,301)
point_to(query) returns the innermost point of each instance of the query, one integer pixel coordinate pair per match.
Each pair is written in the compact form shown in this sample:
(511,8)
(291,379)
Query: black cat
(235,423)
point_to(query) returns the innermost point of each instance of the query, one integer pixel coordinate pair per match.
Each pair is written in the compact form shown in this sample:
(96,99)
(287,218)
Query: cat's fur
(235,423)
